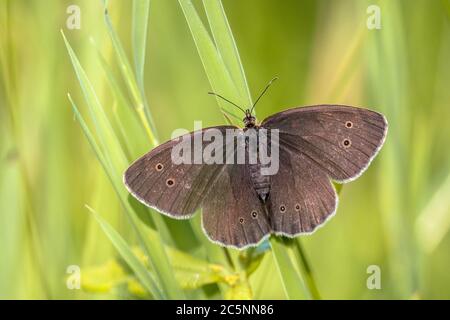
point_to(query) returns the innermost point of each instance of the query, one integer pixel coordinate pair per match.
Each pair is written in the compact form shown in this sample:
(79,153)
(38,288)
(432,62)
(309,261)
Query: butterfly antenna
(227,117)
(262,93)
(234,104)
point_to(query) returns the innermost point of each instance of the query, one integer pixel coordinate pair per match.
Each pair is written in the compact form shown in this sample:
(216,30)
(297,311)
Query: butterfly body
(241,205)
(261,183)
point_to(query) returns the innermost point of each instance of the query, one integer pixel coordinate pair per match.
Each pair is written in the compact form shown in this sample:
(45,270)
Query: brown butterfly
(241,206)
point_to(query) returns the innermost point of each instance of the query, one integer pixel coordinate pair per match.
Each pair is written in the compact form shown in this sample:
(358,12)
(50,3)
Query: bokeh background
(396,216)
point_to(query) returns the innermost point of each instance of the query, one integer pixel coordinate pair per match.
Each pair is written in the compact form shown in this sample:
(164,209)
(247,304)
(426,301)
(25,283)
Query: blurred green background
(396,216)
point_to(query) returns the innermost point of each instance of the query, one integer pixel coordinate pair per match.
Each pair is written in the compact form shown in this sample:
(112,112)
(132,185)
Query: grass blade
(305,269)
(218,75)
(149,239)
(292,284)
(107,138)
(139,37)
(222,65)
(109,152)
(227,47)
(139,100)
(434,221)
(146,278)
(90,137)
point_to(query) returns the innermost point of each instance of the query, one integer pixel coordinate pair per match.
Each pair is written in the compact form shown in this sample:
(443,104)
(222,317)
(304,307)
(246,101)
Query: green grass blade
(135,144)
(114,162)
(141,105)
(149,239)
(122,115)
(433,223)
(216,71)
(293,285)
(107,138)
(139,37)
(146,278)
(89,136)
(305,268)
(223,65)
(228,50)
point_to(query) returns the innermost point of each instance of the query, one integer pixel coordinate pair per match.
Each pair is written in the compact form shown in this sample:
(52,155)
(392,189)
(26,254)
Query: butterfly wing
(302,196)
(340,140)
(316,143)
(173,189)
(233,215)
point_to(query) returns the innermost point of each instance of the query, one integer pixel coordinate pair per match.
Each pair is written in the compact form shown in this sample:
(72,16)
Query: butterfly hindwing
(301,196)
(233,215)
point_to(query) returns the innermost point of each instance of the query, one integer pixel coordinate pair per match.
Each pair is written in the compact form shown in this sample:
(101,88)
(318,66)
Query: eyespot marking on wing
(170,182)
(346,143)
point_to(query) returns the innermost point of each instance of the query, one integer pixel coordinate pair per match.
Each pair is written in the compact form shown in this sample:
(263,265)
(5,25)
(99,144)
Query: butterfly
(241,206)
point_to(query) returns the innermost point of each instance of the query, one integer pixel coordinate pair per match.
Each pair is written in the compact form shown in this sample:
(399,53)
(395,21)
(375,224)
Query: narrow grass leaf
(139,100)
(90,137)
(134,142)
(127,254)
(107,138)
(139,37)
(216,71)
(224,69)
(227,47)
(292,283)
(434,222)
(151,242)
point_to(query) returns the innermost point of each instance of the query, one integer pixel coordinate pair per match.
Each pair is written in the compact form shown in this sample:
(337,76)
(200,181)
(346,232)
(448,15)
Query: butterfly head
(249,120)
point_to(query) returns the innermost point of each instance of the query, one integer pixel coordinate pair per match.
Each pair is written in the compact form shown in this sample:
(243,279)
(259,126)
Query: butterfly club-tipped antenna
(262,93)
(222,97)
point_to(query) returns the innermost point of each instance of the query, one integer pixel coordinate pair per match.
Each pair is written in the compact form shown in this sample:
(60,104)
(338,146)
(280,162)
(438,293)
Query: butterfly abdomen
(261,183)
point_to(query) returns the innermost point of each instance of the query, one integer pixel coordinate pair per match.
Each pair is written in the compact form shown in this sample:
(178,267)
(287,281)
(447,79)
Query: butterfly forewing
(174,189)
(340,140)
